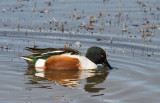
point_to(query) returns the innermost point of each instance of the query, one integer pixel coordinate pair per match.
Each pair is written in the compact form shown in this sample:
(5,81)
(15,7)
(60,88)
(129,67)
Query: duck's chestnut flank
(62,62)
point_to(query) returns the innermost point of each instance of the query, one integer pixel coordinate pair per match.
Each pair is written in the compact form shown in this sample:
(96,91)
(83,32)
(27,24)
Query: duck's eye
(102,56)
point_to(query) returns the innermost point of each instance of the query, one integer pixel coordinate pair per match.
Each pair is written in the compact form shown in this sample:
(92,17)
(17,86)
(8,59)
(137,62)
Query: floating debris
(158,8)
(111,39)
(119,9)
(54,19)
(110,21)
(67,45)
(143,5)
(5,25)
(48,3)
(99,39)
(92,20)
(35,45)
(136,25)
(158,27)
(58,96)
(75,15)
(18,26)
(68,100)
(147,26)
(150,40)
(89,27)
(142,32)
(152,34)
(139,2)
(26,33)
(124,30)
(100,29)
(101,13)
(33,10)
(56,24)
(44,11)
(78,44)
(40,28)
(2,47)
(83,24)
(147,34)
(104,1)
(62,28)
(153,26)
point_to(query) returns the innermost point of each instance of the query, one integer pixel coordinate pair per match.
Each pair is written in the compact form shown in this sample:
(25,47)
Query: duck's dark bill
(105,63)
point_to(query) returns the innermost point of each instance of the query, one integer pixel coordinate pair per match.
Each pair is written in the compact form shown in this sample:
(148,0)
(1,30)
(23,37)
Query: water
(134,57)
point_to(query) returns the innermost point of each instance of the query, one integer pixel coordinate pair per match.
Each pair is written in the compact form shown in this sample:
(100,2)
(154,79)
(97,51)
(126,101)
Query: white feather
(40,63)
(85,63)
(27,58)
(58,51)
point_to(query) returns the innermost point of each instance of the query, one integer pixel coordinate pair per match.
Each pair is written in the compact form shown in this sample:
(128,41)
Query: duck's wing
(53,50)
(44,53)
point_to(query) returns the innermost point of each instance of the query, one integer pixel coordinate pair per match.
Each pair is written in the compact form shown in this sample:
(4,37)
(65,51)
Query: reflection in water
(68,78)
(99,77)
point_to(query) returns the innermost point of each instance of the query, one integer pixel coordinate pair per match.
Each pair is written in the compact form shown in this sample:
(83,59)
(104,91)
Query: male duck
(66,58)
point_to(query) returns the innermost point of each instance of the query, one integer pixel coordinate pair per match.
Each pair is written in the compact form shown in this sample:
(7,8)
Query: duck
(66,58)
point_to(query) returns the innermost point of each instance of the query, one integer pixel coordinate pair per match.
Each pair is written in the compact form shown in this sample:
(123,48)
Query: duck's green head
(98,56)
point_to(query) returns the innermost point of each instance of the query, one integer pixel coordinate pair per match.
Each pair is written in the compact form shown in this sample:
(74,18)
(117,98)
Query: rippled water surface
(127,30)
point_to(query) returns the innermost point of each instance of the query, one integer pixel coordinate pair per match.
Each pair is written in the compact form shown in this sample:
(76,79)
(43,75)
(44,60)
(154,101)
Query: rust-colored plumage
(60,62)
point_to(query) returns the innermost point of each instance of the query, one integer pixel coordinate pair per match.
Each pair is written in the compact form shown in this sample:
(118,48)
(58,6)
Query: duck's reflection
(71,77)
(98,78)
(66,77)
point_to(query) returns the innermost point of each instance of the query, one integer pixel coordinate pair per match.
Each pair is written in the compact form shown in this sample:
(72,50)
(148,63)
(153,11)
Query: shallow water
(134,57)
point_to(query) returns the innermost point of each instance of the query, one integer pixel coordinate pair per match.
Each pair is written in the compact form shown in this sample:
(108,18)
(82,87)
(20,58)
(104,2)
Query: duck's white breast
(84,62)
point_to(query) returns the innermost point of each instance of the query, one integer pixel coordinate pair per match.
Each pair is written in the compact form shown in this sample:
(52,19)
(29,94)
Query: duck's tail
(29,58)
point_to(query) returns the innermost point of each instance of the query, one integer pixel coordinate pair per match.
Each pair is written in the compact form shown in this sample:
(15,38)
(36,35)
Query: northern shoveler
(66,58)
